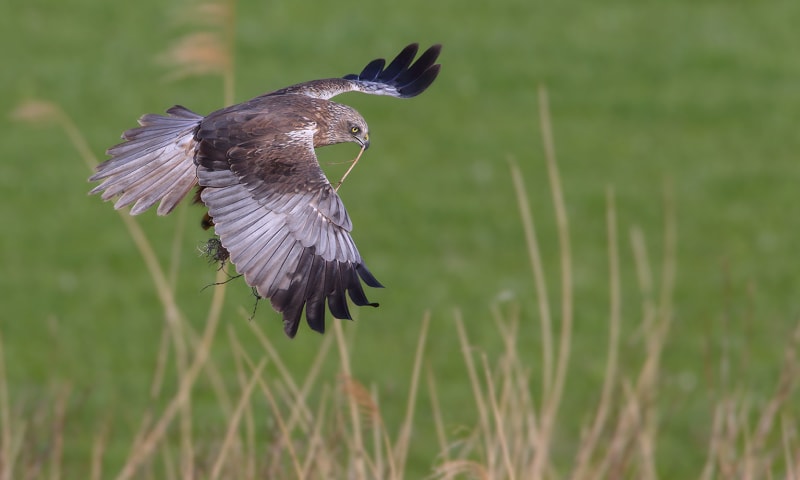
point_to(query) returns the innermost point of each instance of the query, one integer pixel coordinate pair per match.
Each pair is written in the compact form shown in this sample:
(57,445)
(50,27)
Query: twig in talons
(336,189)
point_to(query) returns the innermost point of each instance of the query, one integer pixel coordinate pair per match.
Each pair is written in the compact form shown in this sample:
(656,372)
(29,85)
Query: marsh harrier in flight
(276,214)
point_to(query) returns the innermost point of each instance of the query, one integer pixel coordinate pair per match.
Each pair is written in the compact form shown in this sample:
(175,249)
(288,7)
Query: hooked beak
(365,142)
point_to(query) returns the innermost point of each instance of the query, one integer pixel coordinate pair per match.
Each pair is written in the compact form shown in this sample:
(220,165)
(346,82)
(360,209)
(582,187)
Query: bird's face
(359,132)
(344,124)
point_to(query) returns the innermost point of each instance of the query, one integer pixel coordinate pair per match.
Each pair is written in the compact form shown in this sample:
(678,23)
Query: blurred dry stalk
(210,50)
(204,52)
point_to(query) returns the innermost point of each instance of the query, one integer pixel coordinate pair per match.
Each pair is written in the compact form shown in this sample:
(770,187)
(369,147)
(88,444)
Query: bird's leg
(255,307)
(336,189)
(216,284)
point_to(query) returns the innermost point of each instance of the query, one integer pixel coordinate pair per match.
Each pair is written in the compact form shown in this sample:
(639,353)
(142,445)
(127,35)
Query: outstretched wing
(285,227)
(403,77)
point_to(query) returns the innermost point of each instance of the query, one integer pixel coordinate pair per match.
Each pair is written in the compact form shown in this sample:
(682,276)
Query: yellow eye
(354,130)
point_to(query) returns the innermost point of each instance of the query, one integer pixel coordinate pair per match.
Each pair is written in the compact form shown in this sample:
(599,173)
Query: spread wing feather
(286,230)
(155,163)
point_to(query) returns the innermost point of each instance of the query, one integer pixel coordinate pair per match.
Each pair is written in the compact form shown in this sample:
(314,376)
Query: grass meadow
(586,227)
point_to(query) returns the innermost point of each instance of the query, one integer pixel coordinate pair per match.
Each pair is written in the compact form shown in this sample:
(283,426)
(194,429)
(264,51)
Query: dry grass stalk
(57,433)
(181,397)
(356,392)
(438,419)
(534,255)
(98,450)
(477,388)
(552,402)
(356,443)
(233,421)
(507,470)
(200,52)
(40,111)
(195,54)
(9,445)
(209,50)
(300,412)
(554,374)
(791,452)
(736,451)
(591,436)
(36,112)
(404,438)
(454,468)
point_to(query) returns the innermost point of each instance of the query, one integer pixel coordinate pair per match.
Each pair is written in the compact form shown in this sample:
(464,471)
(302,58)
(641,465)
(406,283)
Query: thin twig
(349,169)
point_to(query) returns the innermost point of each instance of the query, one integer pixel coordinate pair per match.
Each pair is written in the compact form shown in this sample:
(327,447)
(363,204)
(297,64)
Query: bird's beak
(365,143)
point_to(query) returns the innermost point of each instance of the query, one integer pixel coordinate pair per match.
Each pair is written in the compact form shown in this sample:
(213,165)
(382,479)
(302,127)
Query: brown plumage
(271,205)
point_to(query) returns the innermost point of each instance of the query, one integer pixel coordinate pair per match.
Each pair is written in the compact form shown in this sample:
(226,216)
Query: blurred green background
(701,96)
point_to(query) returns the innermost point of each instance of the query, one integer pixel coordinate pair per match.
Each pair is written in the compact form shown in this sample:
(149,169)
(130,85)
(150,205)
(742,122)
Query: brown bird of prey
(285,228)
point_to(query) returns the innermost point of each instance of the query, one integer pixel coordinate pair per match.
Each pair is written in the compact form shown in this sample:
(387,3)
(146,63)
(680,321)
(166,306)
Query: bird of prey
(276,214)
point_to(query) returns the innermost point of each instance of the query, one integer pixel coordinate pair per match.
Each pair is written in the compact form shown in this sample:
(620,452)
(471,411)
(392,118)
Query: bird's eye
(354,130)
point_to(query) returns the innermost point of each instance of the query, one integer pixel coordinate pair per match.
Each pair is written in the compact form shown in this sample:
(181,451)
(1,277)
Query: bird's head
(359,132)
(347,125)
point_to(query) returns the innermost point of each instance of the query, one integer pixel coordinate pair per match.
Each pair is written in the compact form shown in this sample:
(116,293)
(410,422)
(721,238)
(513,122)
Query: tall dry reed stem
(99,444)
(400,453)
(592,436)
(356,446)
(8,448)
(233,422)
(210,50)
(41,112)
(552,401)
(539,280)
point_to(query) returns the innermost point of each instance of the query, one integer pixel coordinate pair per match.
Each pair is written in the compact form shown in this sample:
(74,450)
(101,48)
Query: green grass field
(695,101)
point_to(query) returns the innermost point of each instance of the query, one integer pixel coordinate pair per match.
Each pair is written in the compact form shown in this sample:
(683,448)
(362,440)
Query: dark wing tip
(372,70)
(290,327)
(404,78)
(331,281)
(420,83)
(367,276)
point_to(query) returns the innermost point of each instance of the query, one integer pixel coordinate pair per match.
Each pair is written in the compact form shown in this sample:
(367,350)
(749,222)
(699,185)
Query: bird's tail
(154,163)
